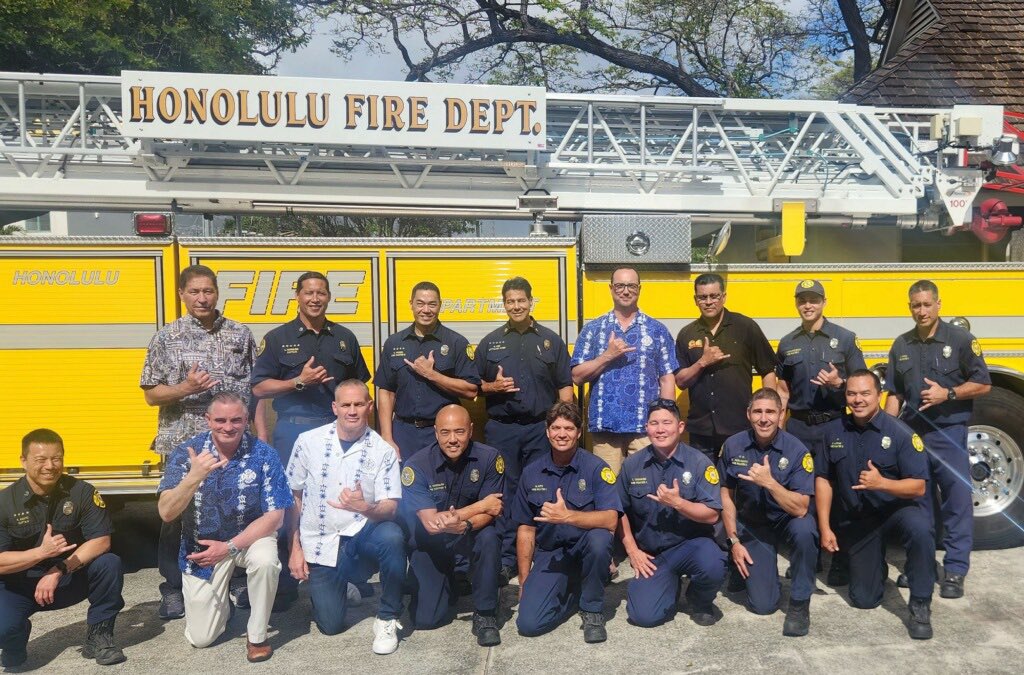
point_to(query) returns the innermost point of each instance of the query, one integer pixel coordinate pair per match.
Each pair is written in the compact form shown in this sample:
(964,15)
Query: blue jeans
(380,545)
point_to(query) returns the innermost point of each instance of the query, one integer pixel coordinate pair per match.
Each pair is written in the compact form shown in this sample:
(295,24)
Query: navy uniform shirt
(538,361)
(801,355)
(950,357)
(791,465)
(895,450)
(284,352)
(74,509)
(415,396)
(657,527)
(718,398)
(430,481)
(587,484)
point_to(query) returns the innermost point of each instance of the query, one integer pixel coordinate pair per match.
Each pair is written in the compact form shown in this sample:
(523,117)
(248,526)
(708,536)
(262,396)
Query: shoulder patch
(808,463)
(711,475)
(408,476)
(98,500)
(608,476)
(975,347)
(263,346)
(499,464)
(856,343)
(470,351)
(918,444)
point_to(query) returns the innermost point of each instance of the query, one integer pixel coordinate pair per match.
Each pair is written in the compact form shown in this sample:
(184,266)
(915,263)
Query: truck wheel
(995,442)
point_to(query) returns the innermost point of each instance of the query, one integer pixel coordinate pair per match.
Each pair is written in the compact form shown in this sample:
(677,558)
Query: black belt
(813,417)
(518,419)
(418,422)
(298,419)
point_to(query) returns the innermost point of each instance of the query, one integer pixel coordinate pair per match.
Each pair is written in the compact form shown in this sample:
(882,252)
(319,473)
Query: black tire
(998,422)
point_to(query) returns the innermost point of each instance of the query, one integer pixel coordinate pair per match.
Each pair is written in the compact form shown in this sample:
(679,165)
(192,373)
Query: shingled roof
(950,51)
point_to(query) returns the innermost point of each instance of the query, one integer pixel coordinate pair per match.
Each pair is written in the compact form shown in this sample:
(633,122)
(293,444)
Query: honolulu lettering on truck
(191,106)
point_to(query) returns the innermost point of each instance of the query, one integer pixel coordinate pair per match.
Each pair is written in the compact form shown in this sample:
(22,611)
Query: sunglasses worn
(663,404)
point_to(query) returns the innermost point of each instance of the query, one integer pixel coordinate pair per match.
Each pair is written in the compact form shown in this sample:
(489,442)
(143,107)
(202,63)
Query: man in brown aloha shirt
(188,362)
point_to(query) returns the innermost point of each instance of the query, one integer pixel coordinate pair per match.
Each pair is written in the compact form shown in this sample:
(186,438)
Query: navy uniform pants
(564,578)
(762,543)
(376,546)
(813,437)
(865,539)
(652,601)
(517,443)
(411,439)
(950,469)
(100,582)
(432,569)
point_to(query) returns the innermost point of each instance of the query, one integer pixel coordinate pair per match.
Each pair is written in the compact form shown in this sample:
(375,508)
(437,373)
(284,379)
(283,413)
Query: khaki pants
(613,448)
(206,602)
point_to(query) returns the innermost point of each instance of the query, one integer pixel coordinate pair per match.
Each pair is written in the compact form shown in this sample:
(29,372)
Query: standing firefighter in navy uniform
(422,368)
(524,368)
(935,371)
(813,363)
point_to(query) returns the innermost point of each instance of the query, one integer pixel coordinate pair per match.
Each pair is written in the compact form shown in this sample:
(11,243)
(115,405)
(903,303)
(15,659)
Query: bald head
(453,430)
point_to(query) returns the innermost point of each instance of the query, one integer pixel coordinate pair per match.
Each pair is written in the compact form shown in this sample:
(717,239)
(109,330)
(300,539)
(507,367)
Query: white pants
(206,602)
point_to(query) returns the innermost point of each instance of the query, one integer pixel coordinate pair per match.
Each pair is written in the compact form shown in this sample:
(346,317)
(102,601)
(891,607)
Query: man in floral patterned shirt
(229,490)
(629,359)
(188,362)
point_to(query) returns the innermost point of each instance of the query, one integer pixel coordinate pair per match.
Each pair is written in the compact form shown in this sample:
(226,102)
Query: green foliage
(106,36)
(353,226)
(739,48)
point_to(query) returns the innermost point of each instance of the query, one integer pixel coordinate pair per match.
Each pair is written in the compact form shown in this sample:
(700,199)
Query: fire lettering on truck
(271,292)
(65,277)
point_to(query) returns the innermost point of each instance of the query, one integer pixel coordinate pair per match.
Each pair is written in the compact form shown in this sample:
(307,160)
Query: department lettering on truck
(192,105)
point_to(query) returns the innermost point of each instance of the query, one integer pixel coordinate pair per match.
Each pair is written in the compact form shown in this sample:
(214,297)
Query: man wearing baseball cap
(813,363)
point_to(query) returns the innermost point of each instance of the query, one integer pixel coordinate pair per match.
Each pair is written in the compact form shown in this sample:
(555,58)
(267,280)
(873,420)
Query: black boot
(952,586)
(838,571)
(920,624)
(798,618)
(485,628)
(593,627)
(99,644)
(16,654)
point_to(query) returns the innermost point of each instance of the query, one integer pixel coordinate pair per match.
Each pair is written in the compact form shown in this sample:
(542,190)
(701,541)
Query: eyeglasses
(663,404)
(714,297)
(626,287)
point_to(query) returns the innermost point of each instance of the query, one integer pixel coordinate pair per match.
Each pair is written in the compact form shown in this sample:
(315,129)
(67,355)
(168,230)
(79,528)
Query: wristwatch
(730,542)
(299,384)
(232,549)
(469,527)
(62,566)
(950,394)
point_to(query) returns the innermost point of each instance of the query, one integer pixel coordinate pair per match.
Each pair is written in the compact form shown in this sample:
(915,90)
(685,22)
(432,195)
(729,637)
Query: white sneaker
(353,597)
(385,635)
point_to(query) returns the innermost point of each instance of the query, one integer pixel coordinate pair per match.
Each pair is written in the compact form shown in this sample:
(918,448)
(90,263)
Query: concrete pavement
(983,632)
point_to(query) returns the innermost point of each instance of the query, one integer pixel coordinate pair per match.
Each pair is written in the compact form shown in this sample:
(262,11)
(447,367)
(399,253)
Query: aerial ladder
(65,144)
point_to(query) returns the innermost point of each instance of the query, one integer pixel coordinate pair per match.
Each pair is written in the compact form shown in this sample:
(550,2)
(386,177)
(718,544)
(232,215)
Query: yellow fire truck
(859,198)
